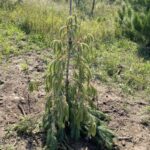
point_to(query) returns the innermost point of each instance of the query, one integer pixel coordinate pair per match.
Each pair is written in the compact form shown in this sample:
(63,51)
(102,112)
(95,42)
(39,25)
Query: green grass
(118,62)
(10,40)
(33,26)
(13,41)
(148,109)
(30,26)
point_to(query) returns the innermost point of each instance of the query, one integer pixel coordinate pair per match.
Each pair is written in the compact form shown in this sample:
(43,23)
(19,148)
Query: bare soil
(126,112)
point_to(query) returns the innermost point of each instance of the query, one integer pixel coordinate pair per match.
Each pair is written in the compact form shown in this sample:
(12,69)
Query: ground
(128,120)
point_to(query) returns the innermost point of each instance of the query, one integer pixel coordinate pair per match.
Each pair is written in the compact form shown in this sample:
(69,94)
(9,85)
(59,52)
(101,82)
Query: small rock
(40,95)
(123,143)
(122,113)
(39,68)
(22,100)
(115,110)
(17,98)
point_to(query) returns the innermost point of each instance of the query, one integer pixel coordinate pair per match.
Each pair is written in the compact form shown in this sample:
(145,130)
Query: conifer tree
(135,20)
(68,113)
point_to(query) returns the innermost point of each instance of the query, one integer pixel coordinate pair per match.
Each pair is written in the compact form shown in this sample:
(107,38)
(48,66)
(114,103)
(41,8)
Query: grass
(10,37)
(33,25)
(148,110)
(24,67)
(118,62)
(13,41)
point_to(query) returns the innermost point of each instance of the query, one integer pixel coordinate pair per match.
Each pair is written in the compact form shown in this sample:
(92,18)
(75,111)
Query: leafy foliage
(69,115)
(8,4)
(135,20)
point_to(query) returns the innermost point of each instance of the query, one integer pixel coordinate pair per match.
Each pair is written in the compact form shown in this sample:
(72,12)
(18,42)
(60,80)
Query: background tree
(135,20)
(93,7)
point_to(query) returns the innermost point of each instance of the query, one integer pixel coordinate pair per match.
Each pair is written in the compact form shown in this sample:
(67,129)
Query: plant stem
(70,10)
(68,55)
(93,7)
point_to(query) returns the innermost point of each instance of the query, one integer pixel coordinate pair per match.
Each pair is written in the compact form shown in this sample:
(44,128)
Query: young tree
(68,113)
(135,20)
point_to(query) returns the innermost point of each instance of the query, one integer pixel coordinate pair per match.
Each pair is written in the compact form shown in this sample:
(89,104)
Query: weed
(24,67)
(26,125)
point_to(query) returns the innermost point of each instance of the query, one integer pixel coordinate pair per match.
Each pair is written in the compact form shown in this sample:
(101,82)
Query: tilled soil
(127,118)
(16,101)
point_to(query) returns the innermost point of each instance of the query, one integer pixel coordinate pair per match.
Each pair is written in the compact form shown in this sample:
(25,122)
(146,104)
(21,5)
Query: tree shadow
(32,140)
(144,52)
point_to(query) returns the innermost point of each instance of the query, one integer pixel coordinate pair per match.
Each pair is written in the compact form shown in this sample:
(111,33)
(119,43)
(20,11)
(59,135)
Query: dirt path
(15,101)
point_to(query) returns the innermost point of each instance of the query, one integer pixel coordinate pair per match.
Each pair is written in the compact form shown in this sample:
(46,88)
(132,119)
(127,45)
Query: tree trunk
(93,7)
(68,56)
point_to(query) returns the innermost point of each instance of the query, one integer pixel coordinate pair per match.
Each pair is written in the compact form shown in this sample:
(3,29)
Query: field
(120,69)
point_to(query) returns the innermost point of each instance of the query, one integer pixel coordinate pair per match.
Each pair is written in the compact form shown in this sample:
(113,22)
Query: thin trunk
(77,3)
(68,55)
(93,7)
(70,10)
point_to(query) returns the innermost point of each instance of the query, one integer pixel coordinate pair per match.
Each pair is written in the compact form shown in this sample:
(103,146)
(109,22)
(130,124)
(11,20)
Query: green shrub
(134,18)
